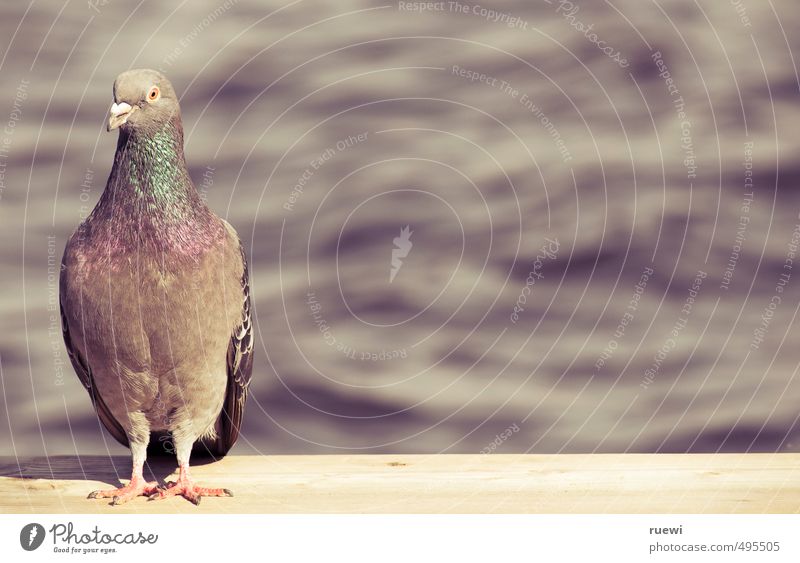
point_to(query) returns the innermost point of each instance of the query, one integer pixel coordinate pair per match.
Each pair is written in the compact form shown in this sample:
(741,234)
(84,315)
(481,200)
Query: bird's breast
(155,311)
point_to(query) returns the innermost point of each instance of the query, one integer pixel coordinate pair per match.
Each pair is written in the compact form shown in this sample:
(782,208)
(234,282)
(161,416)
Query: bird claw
(137,487)
(188,490)
(160,491)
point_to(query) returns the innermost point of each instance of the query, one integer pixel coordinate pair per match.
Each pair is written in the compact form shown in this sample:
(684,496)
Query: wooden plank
(591,483)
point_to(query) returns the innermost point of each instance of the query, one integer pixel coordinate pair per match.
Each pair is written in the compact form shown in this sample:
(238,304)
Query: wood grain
(591,483)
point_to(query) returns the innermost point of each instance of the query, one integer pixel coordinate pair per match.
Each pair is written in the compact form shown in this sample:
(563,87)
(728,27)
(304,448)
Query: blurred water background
(601,201)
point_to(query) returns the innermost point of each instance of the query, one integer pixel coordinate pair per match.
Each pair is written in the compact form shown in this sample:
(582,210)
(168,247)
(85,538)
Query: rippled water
(600,252)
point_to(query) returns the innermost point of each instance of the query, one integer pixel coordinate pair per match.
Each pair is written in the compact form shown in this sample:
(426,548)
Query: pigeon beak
(119,114)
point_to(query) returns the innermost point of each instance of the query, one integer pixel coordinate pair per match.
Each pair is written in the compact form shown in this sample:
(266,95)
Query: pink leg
(137,487)
(186,488)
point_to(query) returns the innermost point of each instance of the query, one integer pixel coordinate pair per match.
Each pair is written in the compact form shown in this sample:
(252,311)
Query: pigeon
(155,299)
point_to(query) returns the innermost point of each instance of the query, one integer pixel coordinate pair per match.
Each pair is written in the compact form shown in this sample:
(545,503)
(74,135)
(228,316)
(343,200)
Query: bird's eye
(154,94)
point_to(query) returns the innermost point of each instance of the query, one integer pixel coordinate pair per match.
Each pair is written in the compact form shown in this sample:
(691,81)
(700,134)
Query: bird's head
(144,100)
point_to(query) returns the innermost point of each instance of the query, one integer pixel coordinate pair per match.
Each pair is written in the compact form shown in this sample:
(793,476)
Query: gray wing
(240,369)
(84,371)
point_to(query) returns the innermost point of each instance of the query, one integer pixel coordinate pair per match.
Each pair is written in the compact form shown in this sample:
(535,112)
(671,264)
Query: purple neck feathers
(150,205)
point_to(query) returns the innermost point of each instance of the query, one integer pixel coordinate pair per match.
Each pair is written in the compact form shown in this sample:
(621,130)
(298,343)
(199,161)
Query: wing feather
(84,371)
(240,369)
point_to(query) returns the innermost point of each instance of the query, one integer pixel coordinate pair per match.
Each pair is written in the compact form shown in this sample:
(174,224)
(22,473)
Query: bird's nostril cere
(118,114)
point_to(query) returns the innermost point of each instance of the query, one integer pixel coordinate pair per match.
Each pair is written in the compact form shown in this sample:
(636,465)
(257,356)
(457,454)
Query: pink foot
(186,488)
(137,487)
